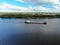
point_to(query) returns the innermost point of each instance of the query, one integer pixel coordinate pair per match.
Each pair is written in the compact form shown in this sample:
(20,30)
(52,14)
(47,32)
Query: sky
(29,5)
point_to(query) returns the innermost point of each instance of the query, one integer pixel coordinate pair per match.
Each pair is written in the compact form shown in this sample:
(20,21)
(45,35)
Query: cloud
(8,7)
(5,7)
(39,2)
(40,9)
(57,8)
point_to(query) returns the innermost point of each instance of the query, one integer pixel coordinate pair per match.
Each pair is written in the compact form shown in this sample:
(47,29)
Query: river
(16,32)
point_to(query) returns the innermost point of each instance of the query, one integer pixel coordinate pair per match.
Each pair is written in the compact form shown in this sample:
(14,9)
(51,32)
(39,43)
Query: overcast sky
(29,5)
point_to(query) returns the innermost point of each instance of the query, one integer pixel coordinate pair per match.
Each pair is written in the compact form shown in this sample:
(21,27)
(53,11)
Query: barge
(30,22)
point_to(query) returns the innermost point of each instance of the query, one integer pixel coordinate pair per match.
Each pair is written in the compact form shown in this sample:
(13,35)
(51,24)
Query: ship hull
(35,23)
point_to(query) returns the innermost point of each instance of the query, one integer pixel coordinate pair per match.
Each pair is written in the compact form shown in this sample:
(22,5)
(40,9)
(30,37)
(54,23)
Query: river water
(16,32)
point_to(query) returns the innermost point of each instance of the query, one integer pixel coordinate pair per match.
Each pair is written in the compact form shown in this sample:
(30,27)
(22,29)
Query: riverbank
(29,15)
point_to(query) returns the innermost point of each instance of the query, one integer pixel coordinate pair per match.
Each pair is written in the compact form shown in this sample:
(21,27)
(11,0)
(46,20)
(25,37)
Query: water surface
(16,32)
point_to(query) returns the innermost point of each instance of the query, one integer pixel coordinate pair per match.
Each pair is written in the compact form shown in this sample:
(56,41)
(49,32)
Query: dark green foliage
(26,15)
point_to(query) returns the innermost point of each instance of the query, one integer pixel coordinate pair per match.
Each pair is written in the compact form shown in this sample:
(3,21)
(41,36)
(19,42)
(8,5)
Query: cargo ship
(32,22)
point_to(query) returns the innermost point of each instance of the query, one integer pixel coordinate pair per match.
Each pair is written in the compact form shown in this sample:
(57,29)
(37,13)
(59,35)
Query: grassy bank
(29,15)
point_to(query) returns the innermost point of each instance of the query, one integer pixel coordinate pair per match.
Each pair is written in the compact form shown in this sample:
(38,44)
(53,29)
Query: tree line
(28,16)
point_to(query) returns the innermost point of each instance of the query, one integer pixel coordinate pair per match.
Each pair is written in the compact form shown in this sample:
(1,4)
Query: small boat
(30,22)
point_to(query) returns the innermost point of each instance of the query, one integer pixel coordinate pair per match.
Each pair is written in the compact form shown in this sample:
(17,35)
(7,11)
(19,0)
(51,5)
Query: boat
(31,22)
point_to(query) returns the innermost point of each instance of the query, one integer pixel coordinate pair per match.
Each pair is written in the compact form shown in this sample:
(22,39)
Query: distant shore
(28,15)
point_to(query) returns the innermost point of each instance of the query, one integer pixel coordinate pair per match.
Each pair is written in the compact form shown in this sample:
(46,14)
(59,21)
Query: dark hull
(35,23)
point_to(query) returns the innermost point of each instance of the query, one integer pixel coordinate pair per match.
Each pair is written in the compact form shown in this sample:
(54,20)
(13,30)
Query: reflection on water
(16,32)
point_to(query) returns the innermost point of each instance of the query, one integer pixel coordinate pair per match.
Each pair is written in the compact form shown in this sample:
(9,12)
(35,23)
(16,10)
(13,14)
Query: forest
(29,15)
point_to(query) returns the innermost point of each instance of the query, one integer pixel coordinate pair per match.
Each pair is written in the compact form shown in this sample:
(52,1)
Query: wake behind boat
(31,22)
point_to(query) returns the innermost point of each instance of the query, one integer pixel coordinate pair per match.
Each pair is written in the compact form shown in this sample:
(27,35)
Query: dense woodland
(29,15)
